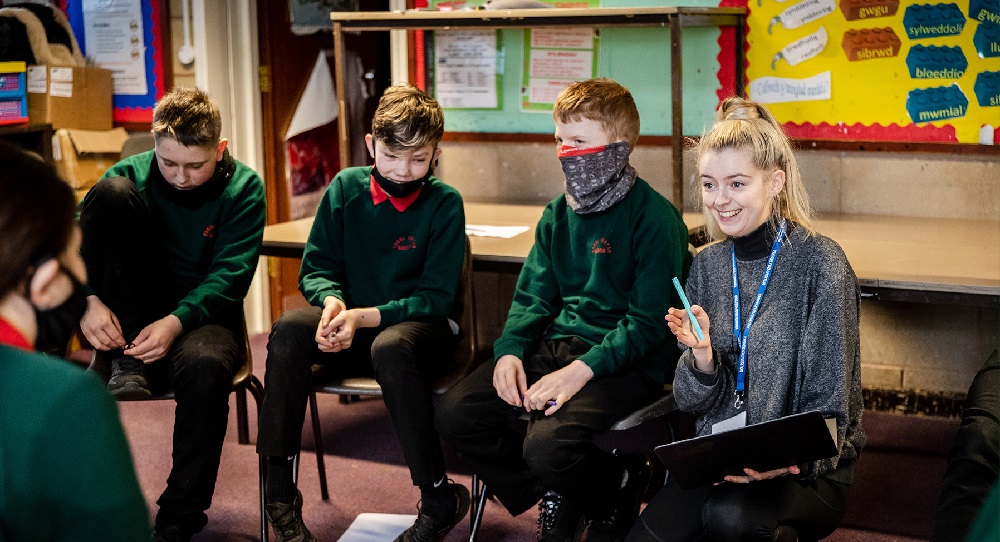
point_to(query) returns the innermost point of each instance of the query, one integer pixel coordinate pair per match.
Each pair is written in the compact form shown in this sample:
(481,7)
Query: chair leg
(242,422)
(257,392)
(478,502)
(262,469)
(318,437)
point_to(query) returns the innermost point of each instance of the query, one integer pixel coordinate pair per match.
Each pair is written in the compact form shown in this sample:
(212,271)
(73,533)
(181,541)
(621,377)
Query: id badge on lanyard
(742,332)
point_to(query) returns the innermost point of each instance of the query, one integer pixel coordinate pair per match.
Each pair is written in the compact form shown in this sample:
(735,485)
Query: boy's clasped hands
(335,330)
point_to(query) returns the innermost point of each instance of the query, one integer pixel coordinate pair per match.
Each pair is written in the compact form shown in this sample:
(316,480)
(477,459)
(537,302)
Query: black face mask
(56,325)
(399,190)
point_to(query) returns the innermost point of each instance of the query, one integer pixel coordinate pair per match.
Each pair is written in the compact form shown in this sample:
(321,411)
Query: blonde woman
(792,324)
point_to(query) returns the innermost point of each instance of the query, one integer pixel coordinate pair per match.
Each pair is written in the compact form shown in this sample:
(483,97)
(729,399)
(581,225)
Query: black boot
(559,519)
(286,521)
(615,524)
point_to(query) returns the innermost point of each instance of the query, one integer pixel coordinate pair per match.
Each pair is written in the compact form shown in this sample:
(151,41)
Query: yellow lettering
(874,11)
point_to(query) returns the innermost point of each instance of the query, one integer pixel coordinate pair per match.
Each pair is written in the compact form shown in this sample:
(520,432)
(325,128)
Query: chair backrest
(136,143)
(465,352)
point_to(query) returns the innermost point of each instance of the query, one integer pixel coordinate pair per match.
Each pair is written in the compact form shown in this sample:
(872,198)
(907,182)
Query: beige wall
(903,345)
(183,75)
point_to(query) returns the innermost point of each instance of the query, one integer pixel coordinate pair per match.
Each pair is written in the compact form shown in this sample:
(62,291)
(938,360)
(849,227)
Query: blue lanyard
(742,334)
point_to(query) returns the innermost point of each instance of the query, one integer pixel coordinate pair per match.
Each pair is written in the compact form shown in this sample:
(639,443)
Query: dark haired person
(171,242)
(381,270)
(65,468)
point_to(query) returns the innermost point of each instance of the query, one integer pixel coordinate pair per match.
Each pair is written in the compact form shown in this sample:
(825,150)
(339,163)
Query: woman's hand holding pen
(754,476)
(680,326)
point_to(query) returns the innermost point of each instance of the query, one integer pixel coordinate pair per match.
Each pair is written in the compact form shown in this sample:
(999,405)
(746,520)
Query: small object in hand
(129,346)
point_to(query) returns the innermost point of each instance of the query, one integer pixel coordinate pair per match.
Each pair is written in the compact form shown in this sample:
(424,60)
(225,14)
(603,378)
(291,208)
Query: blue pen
(550,402)
(687,307)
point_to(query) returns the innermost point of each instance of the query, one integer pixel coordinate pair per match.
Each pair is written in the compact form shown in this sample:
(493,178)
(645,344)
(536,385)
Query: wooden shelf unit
(674,18)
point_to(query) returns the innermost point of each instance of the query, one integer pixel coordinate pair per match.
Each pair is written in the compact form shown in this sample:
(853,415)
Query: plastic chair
(243,381)
(137,143)
(658,409)
(464,360)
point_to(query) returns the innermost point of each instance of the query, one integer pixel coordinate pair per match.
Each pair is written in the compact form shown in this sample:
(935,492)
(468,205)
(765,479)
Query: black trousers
(126,271)
(758,511)
(403,358)
(558,451)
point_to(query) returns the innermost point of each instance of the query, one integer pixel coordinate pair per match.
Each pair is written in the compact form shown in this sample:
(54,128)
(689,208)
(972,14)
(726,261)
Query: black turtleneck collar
(195,197)
(756,244)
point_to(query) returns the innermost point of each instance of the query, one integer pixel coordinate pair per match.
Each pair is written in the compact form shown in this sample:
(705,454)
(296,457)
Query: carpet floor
(364,462)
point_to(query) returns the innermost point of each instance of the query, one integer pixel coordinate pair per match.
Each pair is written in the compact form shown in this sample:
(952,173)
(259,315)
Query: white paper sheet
(503,232)
(370,527)
(318,105)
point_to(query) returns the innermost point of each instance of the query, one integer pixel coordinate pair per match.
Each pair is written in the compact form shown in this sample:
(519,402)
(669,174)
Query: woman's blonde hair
(745,124)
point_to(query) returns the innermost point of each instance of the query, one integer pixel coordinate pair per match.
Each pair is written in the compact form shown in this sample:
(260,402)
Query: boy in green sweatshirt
(171,239)
(584,343)
(381,269)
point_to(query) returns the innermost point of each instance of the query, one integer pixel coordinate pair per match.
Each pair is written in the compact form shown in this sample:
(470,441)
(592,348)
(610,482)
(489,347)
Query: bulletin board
(850,70)
(638,58)
(896,70)
(130,33)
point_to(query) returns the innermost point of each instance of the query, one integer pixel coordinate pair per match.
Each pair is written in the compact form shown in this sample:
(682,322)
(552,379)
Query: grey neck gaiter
(596,177)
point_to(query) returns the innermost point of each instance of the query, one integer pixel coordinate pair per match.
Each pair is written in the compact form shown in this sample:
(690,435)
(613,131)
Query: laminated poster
(466,69)
(123,36)
(553,59)
(878,69)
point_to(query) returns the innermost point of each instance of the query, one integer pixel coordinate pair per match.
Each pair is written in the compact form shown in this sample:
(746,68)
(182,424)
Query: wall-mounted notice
(554,58)
(900,70)
(124,36)
(114,36)
(466,74)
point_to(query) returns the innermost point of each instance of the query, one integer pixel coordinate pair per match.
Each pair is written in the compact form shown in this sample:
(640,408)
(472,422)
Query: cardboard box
(70,97)
(82,156)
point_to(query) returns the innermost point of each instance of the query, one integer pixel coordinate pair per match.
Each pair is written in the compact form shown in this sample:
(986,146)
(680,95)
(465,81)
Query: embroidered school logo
(601,246)
(405,243)
(209,232)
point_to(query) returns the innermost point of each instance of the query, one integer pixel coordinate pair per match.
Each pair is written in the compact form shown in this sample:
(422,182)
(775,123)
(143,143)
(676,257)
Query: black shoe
(170,533)
(625,506)
(431,529)
(559,519)
(128,380)
(286,521)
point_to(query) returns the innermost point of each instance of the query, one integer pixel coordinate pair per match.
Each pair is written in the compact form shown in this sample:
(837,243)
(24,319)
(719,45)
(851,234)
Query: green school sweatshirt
(406,264)
(603,277)
(66,472)
(212,246)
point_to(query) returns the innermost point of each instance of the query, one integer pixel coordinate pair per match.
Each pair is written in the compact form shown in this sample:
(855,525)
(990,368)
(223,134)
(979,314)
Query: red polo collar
(10,336)
(401,204)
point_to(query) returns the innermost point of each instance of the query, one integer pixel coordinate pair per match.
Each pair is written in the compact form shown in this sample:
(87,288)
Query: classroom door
(286,61)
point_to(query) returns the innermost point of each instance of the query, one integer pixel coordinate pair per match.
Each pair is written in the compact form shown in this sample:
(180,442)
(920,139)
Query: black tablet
(792,440)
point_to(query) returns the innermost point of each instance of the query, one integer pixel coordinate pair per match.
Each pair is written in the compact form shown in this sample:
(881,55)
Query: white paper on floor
(370,527)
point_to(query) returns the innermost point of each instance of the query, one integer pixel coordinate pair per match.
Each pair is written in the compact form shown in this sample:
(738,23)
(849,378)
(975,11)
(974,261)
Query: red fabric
(10,336)
(569,150)
(401,204)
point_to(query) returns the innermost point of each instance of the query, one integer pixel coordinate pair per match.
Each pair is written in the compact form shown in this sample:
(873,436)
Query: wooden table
(925,260)
(929,260)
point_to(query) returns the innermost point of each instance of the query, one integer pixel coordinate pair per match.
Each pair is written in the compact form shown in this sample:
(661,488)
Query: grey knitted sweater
(804,352)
